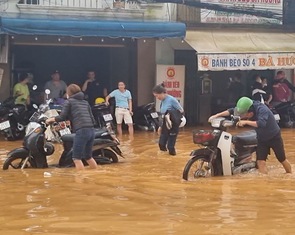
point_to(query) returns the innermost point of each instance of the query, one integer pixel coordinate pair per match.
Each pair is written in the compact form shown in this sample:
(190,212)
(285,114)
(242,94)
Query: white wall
(151,11)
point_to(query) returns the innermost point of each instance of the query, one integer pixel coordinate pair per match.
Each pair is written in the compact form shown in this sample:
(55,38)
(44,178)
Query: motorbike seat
(102,141)
(245,138)
(68,138)
(99,132)
(99,107)
(284,105)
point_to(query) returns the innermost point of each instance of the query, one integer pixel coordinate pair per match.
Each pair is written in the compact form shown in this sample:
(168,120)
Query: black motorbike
(103,115)
(13,119)
(146,118)
(286,112)
(35,147)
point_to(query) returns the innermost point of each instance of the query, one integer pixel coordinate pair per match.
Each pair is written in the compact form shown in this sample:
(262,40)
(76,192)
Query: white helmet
(183,121)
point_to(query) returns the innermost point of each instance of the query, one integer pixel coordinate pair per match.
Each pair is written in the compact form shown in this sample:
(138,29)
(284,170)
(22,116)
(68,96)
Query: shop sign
(219,62)
(173,78)
(211,16)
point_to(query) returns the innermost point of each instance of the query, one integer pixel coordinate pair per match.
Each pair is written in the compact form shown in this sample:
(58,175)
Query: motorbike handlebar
(221,123)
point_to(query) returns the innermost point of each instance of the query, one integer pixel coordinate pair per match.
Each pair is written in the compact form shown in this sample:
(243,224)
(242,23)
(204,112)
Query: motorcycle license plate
(154,115)
(108,117)
(65,131)
(4,125)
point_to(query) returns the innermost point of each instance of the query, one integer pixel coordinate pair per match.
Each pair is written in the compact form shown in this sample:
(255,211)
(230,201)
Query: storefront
(113,48)
(223,53)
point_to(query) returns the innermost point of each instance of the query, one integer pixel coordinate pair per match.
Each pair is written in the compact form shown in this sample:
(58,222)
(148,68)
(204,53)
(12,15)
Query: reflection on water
(144,194)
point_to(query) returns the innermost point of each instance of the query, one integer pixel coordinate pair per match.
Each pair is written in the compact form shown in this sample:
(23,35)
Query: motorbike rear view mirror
(47,92)
(35,106)
(34,87)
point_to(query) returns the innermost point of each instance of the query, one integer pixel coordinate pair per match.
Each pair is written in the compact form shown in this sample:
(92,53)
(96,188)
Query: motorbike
(103,115)
(222,154)
(146,118)
(36,148)
(286,113)
(13,120)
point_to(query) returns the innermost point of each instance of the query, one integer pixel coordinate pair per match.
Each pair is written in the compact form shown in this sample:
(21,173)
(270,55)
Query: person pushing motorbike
(259,116)
(78,111)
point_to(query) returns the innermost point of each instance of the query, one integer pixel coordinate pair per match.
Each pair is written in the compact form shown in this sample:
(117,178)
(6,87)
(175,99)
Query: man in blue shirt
(258,115)
(123,109)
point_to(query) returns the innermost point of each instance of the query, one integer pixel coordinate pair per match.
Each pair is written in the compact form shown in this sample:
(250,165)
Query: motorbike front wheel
(107,157)
(16,162)
(200,166)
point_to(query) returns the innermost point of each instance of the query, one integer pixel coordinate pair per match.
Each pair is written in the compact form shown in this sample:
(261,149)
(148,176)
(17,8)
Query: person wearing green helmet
(259,116)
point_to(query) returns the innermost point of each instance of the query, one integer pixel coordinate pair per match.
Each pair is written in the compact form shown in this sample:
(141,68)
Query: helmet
(243,105)
(99,100)
(183,121)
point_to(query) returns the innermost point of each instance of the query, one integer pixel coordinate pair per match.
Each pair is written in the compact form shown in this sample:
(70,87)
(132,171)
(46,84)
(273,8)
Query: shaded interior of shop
(192,85)
(110,64)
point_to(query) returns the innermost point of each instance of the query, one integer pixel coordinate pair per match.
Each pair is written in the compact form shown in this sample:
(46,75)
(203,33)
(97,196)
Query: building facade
(119,40)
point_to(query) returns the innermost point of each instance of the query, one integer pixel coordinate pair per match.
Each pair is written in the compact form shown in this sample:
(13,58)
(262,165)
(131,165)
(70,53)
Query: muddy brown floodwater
(145,194)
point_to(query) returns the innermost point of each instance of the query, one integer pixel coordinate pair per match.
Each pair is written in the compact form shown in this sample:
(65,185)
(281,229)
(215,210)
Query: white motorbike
(222,153)
(55,131)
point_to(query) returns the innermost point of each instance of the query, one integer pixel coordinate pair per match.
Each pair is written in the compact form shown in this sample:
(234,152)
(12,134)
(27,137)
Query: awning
(242,50)
(99,28)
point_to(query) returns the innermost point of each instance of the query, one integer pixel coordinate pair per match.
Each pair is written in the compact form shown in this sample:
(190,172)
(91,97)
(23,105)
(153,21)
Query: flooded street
(145,194)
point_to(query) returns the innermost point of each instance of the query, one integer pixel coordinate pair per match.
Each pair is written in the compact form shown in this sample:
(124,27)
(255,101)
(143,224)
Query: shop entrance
(73,62)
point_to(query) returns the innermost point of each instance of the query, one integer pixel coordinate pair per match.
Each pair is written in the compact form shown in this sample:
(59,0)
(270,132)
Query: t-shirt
(170,103)
(94,90)
(121,98)
(57,90)
(21,89)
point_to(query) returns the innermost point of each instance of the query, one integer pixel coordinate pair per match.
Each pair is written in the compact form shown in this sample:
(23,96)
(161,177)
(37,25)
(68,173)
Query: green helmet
(243,105)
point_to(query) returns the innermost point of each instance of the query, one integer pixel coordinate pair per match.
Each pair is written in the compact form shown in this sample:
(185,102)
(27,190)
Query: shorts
(123,113)
(83,143)
(276,144)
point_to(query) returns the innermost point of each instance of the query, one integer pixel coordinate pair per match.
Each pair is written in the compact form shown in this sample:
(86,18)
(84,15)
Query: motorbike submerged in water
(103,115)
(221,153)
(146,118)
(36,149)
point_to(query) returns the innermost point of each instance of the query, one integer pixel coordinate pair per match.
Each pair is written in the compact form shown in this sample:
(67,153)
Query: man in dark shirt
(258,115)
(93,88)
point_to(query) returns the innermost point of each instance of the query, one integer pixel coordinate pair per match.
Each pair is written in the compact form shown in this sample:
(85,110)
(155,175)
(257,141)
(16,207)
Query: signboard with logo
(211,16)
(173,78)
(219,62)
